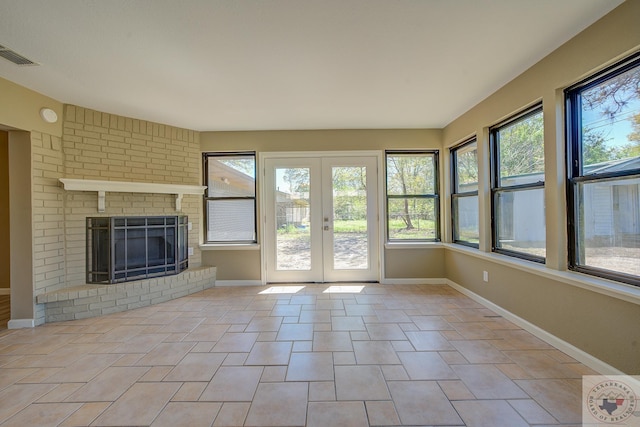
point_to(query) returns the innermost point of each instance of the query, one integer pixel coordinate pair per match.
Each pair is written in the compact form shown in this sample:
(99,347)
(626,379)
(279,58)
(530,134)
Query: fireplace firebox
(121,249)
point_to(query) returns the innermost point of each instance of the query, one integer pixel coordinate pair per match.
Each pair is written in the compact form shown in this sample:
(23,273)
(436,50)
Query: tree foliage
(615,100)
(522,147)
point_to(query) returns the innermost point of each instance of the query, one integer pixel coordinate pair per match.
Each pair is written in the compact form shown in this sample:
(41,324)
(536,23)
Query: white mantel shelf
(102,187)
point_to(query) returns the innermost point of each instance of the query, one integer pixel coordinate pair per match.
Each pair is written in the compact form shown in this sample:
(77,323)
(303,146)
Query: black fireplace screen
(121,249)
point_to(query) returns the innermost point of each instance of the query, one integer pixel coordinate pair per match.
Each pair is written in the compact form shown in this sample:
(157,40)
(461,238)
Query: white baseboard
(5,291)
(222,283)
(21,323)
(436,281)
(573,351)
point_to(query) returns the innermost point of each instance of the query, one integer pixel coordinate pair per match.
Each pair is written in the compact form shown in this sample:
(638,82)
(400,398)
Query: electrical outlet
(485,276)
(190,250)
(189,226)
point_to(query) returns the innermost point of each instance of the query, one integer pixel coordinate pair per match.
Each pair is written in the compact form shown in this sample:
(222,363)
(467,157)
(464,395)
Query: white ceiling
(284,64)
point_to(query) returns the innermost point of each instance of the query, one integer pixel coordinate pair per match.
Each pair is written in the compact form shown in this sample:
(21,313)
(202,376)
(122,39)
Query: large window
(230,199)
(517,181)
(412,196)
(464,193)
(603,145)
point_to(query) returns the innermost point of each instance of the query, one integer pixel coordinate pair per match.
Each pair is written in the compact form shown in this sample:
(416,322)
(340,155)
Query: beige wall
(574,314)
(5,265)
(20,109)
(403,265)
(21,235)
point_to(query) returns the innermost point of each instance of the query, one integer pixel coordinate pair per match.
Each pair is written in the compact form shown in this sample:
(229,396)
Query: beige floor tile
(431,323)
(84,368)
(337,414)
(382,413)
(324,391)
(235,342)
(316,366)
(197,346)
(196,367)
(351,323)
(394,372)
(269,353)
(42,414)
(17,397)
(385,332)
(489,413)
(392,316)
(360,383)
(359,310)
(561,398)
(478,351)
(286,310)
(140,405)
(409,398)
(427,365)
(295,332)
(206,332)
(232,414)
(60,393)
(540,365)
(279,404)
(166,354)
(192,414)
(315,316)
(273,374)
(85,415)
(156,373)
(375,353)
(344,358)
(109,385)
(264,324)
(428,341)
(456,390)
(332,341)
(231,383)
(487,382)
(190,392)
(532,412)
(12,376)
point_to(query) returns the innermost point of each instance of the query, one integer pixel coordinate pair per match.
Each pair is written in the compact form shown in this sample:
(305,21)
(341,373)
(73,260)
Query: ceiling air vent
(14,57)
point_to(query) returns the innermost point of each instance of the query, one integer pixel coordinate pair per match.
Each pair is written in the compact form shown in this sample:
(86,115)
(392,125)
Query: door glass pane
(293,234)
(350,243)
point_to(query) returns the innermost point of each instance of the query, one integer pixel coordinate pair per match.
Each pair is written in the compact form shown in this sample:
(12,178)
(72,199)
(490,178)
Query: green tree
(410,175)
(522,147)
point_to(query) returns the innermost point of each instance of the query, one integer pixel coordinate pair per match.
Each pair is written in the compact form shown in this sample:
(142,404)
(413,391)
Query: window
(603,146)
(230,199)
(517,186)
(464,193)
(412,196)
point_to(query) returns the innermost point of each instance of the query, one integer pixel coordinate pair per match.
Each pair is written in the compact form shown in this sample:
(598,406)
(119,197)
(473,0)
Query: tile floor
(283,356)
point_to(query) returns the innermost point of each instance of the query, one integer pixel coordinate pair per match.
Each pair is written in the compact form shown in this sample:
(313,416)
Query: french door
(321,219)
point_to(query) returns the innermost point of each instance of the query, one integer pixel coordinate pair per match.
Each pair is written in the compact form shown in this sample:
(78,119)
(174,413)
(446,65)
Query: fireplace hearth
(122,249)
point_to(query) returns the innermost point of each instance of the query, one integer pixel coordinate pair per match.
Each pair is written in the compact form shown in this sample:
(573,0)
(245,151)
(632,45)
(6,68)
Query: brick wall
(47,202)
(101,146)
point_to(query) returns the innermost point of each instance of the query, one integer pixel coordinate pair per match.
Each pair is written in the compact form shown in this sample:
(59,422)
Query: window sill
(230,247)
(602,286)
(413,245)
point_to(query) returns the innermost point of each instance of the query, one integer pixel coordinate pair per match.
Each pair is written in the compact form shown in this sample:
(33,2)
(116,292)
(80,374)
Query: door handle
(326,228)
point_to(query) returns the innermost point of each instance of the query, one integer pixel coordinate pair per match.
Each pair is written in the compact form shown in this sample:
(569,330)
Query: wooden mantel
(102,187)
